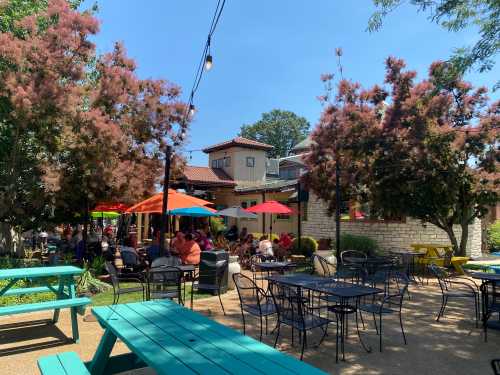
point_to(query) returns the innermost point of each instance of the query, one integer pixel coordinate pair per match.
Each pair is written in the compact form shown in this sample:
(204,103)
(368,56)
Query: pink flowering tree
(76,128)
(427,149)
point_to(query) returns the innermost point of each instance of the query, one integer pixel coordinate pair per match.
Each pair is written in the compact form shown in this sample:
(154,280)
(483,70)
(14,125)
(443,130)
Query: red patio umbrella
(270,207)
(110,207)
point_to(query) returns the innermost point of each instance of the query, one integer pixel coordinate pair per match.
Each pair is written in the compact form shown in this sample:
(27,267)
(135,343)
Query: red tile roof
(238,142)
(206,175)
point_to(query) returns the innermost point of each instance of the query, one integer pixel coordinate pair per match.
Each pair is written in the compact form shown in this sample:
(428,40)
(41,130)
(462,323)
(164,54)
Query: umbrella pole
(164,216)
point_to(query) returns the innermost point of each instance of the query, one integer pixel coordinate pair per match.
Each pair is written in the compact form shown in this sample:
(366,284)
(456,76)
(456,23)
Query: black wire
(200,69)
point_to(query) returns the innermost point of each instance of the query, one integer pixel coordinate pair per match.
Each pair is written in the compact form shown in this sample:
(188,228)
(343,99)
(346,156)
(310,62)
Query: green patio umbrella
(104,215)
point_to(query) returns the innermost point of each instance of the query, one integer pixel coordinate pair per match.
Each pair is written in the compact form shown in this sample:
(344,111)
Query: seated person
(190,253)
(177,243)
(153,250)
(221,243)
(265,248)
(285,241)
(232,233)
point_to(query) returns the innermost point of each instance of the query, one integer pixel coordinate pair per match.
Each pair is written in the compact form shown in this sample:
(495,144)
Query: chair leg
(260,337)
(402,329)
(304,340)
(243,319)
(220,300)
(362,320)
(266,325)
(441,310)
(375,321)
(277,334)
(476,310)
(380,337)
(324,335)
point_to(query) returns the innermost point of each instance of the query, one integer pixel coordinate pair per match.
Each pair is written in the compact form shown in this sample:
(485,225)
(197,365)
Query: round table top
(485,276)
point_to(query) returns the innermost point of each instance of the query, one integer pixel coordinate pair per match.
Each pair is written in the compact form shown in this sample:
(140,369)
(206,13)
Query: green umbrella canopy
(104,214)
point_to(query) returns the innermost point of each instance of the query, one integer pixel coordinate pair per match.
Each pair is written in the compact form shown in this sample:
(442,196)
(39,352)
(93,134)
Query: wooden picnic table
(433,255)
(172,339)
(64,290)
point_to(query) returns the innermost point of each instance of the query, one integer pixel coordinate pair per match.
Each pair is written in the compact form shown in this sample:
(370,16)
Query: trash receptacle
(213,271)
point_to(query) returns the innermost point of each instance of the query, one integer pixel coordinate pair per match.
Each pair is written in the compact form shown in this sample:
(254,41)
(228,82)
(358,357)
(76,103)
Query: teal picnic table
(172,339)
(64,291)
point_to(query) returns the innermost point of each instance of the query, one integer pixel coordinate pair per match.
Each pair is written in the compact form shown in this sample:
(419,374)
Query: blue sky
(268,54)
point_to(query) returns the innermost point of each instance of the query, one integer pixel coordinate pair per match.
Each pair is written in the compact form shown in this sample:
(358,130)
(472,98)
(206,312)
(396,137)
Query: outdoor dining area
(225,305)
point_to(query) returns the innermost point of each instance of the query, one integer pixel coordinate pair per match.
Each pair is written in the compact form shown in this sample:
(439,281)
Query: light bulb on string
(192,110)
(208,62)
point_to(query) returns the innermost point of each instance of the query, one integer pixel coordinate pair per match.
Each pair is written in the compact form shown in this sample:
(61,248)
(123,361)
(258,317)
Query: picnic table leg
(101,356)
(74,319)
(60,295)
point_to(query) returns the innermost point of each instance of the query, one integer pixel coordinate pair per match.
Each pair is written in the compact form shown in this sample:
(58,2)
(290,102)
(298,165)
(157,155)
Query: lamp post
(166,181)
(337,208)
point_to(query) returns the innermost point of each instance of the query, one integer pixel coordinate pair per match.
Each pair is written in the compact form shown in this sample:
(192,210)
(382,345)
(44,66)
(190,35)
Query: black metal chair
(322,266)
(391,303)
(165,282)
(294,312)
(455,288)
(116,280)
(216,275)
(253,300)
(490,303)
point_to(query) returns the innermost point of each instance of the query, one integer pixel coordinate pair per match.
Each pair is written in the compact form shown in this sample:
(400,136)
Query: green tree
(425,149)
(455,15)
(281,129)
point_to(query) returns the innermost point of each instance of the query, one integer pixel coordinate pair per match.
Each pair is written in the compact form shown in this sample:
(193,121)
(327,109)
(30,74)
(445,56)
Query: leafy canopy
(455,15)
(281,129)
(75,128)
(425,149)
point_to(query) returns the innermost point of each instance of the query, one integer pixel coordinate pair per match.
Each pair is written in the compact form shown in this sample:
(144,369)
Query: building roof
(207,176)
(292,160)
(303,145)
(269,185)
(238,142)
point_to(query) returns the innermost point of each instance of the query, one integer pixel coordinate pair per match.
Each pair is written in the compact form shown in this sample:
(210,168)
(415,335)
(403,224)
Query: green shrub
(360,243)
(217,225)
(308,246)
(258,235)
(494,236)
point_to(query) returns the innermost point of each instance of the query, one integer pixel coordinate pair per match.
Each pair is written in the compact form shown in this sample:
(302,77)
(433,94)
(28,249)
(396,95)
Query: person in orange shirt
(190,252)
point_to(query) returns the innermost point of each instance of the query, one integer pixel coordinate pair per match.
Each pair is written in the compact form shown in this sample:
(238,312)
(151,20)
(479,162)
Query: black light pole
(166,181)
(299,221)
(337,208)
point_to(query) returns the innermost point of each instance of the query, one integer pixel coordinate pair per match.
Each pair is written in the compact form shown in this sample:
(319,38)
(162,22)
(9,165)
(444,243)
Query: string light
(208,62)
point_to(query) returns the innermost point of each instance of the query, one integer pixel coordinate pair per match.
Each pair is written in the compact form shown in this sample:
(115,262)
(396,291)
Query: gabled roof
(238,142)
(303,145)
(208,176)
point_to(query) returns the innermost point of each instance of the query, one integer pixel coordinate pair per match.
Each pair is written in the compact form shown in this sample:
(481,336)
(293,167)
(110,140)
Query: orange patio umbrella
(175,201)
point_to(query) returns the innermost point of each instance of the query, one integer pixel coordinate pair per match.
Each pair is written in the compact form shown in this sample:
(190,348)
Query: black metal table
(329,286)
(486,277)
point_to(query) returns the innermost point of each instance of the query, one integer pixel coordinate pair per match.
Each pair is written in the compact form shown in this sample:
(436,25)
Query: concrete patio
(452,346)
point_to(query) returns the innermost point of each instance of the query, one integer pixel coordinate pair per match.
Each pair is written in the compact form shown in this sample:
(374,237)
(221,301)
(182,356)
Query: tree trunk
(453,239)
(463,240)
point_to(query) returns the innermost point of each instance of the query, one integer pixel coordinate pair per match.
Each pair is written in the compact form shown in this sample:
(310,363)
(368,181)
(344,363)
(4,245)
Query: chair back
(345,255)
(166,261)
(165,282)
(290,305)
(113,274)
(249,293)
(397,287)
(322,266)
(129,258)
(441,276)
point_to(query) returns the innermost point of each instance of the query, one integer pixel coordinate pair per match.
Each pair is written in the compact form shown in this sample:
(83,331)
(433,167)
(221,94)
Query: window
(218,163)
(283,216)
(214,163)
(250,161)
(227,161)
(247,204)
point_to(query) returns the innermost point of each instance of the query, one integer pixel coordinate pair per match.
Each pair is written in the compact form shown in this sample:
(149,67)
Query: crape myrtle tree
(76,128)
(427,149)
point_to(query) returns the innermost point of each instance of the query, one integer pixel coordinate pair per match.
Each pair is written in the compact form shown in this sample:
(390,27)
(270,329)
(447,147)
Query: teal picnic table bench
(172,339)
(64,290)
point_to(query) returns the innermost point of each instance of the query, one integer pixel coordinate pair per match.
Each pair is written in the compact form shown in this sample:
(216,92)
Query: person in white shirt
(265,247)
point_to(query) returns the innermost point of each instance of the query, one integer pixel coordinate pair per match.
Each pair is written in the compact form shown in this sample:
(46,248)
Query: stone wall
(390,236)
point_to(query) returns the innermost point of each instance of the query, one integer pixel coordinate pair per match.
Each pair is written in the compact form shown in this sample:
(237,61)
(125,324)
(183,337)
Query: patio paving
(452,346)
